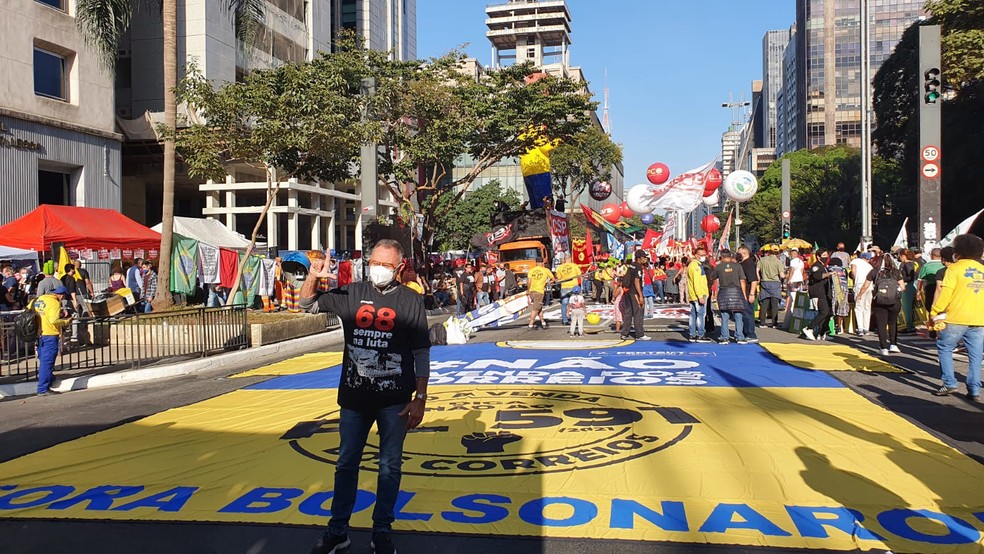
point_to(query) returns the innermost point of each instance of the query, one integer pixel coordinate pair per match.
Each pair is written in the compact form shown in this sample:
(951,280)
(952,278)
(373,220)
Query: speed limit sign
(930,153)
(785,215)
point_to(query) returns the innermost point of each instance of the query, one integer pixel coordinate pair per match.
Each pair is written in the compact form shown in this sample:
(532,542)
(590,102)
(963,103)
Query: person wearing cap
(771,274)
(49,282)
(48,307)
(577,307)
(633,299)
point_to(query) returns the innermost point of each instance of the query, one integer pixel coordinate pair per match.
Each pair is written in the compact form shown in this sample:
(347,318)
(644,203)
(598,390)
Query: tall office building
(773,46)
(828,43)
(537,31)
(389,25)
(787,116)
(58,139)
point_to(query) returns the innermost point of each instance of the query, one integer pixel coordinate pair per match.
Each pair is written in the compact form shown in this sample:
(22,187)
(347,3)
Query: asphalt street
(32,424)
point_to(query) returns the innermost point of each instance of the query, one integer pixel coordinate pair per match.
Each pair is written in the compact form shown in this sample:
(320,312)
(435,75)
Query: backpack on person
(886,289)
(27,325)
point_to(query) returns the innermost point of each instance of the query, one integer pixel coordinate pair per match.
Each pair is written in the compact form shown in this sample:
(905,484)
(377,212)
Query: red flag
(651,239)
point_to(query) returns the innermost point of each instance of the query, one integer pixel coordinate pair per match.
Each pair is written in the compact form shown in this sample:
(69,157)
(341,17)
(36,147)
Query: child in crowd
(576,307)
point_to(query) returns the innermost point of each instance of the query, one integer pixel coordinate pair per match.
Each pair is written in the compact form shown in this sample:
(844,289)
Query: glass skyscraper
(828,43)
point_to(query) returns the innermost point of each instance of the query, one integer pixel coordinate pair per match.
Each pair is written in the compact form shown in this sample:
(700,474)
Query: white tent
(9,253)
(210,231)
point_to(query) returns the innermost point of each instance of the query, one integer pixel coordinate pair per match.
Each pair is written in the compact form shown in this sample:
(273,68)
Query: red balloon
(625,210)
(712,181)
(611,212)
(658,173)
(710,223)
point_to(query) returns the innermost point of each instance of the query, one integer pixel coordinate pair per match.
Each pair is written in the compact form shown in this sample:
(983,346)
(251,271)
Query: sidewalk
(241,359)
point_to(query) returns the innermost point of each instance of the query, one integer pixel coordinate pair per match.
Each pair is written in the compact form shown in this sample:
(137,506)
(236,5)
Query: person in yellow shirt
(538,278)
(697,295)
(961,298)
(48,307)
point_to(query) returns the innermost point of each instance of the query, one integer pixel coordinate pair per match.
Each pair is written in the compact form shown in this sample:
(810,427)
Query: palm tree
(102,24)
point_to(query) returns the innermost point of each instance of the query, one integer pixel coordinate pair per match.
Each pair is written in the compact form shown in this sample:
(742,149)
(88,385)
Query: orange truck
(522,255)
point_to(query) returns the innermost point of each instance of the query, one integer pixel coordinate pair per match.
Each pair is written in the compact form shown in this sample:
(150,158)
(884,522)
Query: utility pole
(736,126)
(867,234)
(368,182)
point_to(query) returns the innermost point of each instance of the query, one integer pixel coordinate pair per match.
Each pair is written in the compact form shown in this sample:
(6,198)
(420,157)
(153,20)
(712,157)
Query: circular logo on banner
(503,432)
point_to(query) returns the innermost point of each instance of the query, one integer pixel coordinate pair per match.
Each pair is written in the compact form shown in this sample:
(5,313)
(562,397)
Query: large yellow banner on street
(685,444)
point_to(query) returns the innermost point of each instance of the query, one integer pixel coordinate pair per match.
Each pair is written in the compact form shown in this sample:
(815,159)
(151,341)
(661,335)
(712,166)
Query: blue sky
(670,65)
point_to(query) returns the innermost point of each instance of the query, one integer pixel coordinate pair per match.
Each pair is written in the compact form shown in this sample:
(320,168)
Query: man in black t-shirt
(69,282)
(731,296)
(466,289)
(749,266)
(633,302)
(385,369)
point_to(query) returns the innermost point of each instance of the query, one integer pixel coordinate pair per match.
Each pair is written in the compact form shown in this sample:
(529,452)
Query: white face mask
(702,259)
(381,276)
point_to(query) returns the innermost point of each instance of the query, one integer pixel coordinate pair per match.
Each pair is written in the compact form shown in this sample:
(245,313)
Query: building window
(57,4)
(531,53)
(54,188)
(49,74)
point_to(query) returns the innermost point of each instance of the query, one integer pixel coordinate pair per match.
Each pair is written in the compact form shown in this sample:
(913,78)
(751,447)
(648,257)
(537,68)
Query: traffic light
(931,84)
(785,230)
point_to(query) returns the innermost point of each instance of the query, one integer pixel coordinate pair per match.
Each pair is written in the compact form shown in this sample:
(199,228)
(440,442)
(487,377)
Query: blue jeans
(47,352)
(659,290)
(973,338)
(483,298)
(565,298)
(353,430)
(650,306)
(748,322)
(739,328)
(697,313)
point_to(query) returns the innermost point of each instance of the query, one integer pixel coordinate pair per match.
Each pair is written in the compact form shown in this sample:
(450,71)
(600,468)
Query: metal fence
(129,341)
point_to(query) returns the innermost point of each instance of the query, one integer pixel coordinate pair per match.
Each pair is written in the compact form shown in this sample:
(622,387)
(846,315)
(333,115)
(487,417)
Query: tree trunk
(163,299)
(272,191)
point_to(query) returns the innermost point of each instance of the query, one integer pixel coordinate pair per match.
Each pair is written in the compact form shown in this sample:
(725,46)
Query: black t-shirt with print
(382,330)
(729,274)
(466,281)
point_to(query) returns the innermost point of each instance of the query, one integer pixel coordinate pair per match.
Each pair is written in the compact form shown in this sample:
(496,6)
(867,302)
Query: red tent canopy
(77,228)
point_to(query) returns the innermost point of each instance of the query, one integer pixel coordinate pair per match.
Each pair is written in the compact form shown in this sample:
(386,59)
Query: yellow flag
(63,259)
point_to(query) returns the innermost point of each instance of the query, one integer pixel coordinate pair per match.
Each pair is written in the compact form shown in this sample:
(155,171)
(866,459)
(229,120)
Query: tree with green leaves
(897,98)
(825,197)
(102,24)
(296,120)
(472,215)
(588,157)
(433,114)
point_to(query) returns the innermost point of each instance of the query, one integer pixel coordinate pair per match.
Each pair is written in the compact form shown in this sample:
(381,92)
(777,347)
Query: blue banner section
(639,364)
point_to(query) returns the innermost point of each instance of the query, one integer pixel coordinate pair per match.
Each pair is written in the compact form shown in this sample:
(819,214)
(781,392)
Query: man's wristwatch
(420,396)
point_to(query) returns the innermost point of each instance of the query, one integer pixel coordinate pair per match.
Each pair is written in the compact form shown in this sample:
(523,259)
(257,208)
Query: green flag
(251,279)
(184,265)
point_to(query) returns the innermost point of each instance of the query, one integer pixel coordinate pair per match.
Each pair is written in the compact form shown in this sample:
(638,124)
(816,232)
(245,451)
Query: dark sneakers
(382,543)
(331,544)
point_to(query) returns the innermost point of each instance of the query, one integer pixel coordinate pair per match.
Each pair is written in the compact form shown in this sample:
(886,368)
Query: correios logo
(502,432)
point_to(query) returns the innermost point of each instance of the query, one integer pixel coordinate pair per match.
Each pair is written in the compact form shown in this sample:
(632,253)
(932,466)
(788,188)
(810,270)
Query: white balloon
(713,199)
(640,199)
(740,185)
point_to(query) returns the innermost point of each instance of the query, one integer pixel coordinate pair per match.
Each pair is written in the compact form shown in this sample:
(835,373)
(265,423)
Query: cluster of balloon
(600,190)
(611,212)
(647,219)
(711,182)
(740,185)
(658,173)
(710,223)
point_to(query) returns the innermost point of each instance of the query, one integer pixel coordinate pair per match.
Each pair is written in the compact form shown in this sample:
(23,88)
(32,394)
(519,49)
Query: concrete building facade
(828,46)
(773,47)
(787,116)
(58,140)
